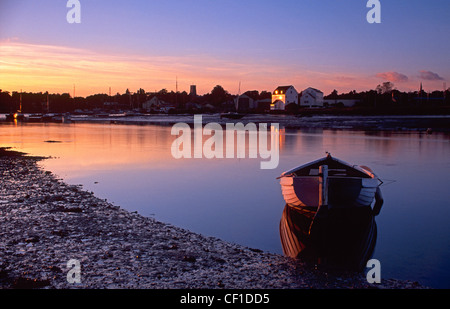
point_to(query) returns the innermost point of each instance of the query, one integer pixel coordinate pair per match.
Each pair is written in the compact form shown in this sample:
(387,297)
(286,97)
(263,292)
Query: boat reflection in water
(328,217)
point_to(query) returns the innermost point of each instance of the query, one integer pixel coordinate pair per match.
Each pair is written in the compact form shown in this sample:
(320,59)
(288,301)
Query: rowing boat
(328,213)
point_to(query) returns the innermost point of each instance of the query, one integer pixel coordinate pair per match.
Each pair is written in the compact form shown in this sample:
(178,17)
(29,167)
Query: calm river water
(233,199)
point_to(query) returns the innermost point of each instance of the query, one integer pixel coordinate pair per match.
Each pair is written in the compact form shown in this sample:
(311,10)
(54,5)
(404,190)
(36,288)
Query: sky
(257,44)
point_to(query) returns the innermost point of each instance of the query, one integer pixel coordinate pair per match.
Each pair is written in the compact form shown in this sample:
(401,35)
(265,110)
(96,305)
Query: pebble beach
(45,223)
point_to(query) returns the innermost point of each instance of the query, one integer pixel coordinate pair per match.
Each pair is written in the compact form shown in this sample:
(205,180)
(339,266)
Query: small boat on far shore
(34,118)
(232,115)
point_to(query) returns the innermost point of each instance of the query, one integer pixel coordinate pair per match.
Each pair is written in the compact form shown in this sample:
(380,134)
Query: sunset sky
(149,44)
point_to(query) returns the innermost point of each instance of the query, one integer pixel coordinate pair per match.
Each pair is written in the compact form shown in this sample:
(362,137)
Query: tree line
(383,96)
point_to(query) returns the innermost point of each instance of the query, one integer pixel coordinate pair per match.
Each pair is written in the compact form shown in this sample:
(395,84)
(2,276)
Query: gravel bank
(45,222)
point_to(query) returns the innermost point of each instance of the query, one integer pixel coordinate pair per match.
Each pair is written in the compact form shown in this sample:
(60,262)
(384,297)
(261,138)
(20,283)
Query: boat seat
(331,172)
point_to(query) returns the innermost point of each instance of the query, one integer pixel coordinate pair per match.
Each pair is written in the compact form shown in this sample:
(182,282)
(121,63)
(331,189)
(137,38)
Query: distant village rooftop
(281,89)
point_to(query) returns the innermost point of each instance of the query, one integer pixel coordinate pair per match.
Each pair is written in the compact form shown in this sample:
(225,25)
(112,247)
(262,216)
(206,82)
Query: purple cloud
(428,75)
(393,76)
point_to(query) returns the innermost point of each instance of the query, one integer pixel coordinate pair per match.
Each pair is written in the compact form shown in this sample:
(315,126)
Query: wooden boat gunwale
(362,169)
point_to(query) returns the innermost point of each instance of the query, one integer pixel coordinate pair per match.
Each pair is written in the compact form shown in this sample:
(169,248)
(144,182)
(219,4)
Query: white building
(311,97)
(283,96)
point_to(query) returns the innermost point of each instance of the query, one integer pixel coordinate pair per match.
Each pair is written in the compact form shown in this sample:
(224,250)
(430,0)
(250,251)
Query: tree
(386,87)
(163,91)
(5,101)
(218,96)
(265,95)
(333,94)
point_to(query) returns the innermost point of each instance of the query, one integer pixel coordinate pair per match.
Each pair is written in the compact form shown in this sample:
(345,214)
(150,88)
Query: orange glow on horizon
(40,68)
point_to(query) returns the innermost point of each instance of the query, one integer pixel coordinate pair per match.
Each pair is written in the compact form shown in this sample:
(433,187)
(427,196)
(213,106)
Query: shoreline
(425,124)
(46,222)
(372,123)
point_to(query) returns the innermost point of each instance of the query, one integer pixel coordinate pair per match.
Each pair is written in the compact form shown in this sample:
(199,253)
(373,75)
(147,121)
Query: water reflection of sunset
(112,147)
(91,146)
(84,148)
(234,199)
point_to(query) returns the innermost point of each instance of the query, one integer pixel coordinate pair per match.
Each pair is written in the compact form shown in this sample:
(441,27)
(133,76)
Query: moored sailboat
(234,114)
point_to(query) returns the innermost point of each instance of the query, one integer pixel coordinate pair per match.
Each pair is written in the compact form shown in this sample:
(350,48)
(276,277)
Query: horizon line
(199,95)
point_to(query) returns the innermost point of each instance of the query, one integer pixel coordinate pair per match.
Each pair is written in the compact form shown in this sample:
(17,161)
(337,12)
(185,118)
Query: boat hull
(344,239)
(328,214)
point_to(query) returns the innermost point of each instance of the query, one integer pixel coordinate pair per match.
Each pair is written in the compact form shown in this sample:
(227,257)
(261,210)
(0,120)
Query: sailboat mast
(238,96)
(48,105)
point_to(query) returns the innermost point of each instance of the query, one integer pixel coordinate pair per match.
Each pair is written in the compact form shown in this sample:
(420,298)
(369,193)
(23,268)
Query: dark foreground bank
(45,223)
